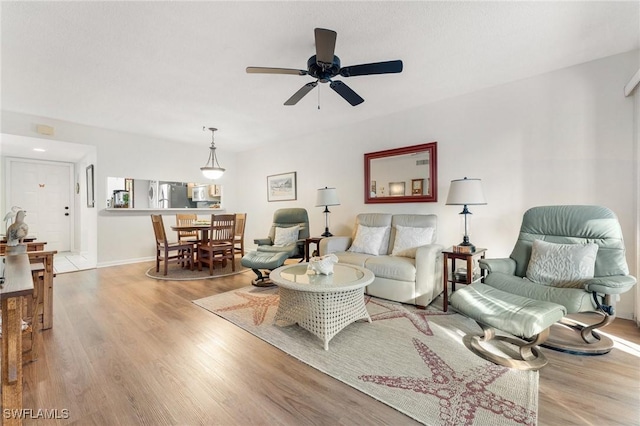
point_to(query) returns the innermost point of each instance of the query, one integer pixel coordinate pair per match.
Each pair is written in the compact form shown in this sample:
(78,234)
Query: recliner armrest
(615,284)
(333,245)
(263,241)
(505,265)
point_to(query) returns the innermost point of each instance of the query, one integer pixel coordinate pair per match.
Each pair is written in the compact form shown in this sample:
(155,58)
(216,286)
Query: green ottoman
(526,318)
(258,260)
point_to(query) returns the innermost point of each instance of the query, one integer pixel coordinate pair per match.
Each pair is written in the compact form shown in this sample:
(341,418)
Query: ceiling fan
(324,65)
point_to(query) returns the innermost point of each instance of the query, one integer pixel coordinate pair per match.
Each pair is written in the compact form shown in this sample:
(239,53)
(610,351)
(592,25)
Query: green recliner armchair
(562,225)
(288,232)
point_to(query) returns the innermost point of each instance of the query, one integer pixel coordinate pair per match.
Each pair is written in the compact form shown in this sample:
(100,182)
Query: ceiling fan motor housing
(323,72)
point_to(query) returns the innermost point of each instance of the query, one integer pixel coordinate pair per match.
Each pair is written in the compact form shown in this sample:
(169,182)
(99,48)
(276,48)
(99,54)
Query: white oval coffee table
(321,304)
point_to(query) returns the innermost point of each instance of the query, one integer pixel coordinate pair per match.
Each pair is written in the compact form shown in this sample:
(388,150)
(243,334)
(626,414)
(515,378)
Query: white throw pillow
(562,265)
(368,239)
(409,239)
(286,236)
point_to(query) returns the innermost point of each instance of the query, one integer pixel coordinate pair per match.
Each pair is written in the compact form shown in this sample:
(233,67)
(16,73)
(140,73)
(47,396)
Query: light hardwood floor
(127,349)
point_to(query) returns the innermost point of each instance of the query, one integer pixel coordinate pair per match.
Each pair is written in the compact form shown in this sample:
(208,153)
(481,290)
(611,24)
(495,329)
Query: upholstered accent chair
(286,237)
(574,256)
(283,219)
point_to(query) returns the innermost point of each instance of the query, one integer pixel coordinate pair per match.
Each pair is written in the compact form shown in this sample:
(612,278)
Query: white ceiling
(165,69)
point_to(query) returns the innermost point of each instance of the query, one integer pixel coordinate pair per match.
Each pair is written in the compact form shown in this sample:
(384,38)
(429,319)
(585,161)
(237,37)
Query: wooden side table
(311,240)
(449,254)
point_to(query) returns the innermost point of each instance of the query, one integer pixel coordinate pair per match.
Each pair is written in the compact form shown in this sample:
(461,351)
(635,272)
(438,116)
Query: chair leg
(166,262)
(572,337)
(530,357)
(157,260)
(261,280)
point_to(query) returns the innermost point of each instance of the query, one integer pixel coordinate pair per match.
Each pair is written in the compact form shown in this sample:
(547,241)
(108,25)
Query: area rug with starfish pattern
(411,359)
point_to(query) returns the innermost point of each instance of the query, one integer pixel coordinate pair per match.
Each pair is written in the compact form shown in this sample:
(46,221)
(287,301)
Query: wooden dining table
(202,227)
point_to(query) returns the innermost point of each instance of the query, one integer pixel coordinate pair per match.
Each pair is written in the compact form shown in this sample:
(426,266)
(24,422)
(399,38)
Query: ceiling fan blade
(265,70)
(345,91)
(325,45)
(387,67)
(301,93)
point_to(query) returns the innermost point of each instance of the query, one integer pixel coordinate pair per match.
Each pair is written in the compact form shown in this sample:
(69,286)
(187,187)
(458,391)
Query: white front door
(43,189)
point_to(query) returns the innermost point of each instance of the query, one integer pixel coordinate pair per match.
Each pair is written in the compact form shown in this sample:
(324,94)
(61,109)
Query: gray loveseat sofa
(412,276)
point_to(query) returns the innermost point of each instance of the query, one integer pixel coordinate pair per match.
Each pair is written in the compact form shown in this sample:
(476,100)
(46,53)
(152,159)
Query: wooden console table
(18,284)
(27,275)
(31,246)
(46,259)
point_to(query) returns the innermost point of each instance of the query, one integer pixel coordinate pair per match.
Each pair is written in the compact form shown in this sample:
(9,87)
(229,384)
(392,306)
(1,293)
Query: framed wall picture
(416,186)
(396,189)
(282,187)
(90,190)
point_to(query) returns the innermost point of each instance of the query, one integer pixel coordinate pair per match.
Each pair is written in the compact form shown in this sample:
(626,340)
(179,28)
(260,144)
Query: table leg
(12,357)
(445,296)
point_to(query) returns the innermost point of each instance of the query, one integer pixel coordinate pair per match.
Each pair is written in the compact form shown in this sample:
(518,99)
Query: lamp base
(466,243)
(326,233)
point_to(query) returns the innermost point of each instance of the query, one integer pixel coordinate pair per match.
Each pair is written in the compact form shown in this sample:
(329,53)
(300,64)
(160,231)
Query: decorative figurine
(17,232)
(323,265)
(8,218)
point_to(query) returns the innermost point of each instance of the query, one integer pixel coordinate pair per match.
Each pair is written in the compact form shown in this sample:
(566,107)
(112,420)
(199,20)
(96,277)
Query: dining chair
(220,244)
(183,219)
(238,240)
(176,252)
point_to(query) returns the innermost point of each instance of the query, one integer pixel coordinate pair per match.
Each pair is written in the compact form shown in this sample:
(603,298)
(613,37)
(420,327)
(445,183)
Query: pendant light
(212,170)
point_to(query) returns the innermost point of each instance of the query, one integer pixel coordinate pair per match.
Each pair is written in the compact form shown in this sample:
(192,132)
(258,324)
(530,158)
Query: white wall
(565,137)
(635,95)
(124,237)
(86,230)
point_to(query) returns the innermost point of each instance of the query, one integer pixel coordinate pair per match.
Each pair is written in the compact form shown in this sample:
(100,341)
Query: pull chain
(319,88)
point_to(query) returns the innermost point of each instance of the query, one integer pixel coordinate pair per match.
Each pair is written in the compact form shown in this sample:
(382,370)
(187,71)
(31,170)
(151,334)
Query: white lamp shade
(327,197)
(212,172)
(466,192)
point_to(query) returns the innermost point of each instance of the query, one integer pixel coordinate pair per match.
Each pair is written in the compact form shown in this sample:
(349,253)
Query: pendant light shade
(212,170)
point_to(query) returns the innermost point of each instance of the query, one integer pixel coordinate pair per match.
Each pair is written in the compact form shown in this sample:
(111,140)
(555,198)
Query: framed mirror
(402,175)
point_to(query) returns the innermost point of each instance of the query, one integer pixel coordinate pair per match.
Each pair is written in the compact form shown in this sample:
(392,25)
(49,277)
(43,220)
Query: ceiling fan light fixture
(212,169)
(325,65)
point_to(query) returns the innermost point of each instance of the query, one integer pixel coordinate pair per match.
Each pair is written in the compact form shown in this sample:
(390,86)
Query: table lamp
(327,197)
(465,192)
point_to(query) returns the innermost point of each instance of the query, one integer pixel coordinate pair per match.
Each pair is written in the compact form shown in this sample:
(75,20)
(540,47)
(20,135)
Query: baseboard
(125,262)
